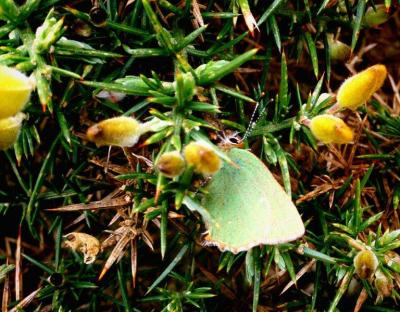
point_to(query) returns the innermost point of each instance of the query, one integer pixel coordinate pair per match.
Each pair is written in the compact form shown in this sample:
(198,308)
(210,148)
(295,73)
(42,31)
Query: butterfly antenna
(251,123)
(253,120)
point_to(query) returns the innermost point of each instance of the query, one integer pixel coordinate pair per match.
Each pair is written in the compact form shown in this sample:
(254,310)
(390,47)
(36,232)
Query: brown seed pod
(85,243)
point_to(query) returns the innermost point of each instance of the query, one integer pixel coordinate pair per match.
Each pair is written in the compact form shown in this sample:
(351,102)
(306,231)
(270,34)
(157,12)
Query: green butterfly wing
(245,206)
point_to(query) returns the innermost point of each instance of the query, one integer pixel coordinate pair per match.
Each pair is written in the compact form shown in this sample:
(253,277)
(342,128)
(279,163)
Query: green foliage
(195,66)
(4,269)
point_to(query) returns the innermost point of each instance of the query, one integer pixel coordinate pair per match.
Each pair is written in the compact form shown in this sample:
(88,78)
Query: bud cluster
(198,155)
(47,34)
(366,265)
(354,92)
(125,131)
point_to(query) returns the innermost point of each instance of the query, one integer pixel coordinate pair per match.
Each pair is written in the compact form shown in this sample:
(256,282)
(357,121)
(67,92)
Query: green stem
(273,127)
(341,291)
(41,71)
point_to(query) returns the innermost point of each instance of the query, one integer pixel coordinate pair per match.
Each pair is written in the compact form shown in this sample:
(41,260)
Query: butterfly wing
(248,207)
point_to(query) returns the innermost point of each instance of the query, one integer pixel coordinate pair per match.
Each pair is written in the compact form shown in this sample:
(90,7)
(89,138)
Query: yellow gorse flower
(203,159)
(365,264)
(119,131)
(330,129)
(171,164)
(15,90)
(357,89)
(123,131)
(9,130)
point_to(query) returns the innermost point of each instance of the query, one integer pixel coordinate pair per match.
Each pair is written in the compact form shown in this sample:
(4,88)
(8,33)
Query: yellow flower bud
(383,284)
(202,158)
(9,130)
(331,129)
(119,131)
(380,74)
(15,90)
(171,164)
(365,264)
(357,89)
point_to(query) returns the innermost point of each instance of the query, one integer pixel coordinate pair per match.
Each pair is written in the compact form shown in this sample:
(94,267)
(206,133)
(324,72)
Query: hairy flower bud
(47,34)
(15,90)
(119,131)
(9,130)
(171,164)
(365,264)
(202,158)
(383,284)
(338,51)
(357,89)
(331,129)
(185,86)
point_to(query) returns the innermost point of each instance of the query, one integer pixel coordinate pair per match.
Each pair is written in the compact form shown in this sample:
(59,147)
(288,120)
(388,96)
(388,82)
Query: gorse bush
(133,136)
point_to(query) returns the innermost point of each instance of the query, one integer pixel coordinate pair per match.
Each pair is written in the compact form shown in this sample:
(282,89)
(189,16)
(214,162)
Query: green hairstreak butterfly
(244,206)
